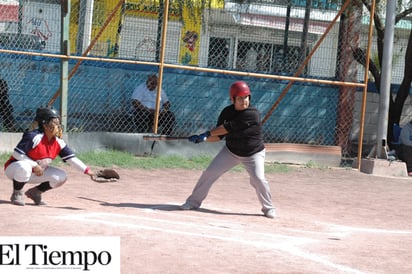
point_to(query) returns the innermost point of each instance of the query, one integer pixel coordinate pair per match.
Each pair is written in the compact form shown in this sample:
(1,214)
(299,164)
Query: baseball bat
(155,137)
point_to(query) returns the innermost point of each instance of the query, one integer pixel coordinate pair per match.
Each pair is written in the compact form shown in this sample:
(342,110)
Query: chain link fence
(203,47)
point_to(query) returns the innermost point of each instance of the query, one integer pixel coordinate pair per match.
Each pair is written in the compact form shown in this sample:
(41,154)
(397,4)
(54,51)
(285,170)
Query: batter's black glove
(199,138)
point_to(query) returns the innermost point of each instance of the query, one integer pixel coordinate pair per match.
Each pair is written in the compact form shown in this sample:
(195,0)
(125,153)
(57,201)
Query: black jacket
(244,128)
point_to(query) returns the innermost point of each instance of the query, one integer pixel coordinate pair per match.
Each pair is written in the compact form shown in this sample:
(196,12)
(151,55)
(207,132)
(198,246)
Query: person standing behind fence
(405,149)
(6,109)
(144,106)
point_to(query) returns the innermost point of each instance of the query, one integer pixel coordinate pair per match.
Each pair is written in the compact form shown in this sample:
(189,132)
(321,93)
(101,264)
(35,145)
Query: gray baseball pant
(225,160)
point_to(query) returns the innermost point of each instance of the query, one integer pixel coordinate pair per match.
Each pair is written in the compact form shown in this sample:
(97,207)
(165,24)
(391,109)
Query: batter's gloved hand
(193,138)
(199,138)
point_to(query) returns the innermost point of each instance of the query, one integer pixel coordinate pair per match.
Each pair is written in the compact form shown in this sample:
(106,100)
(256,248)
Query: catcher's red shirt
(36,146)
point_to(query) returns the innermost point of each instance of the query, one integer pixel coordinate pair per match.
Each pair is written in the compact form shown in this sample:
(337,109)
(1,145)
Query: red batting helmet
(239,88)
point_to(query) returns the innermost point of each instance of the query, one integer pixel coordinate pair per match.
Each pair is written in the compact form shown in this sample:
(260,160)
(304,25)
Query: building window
(254,56)
(288,61)
(218,53)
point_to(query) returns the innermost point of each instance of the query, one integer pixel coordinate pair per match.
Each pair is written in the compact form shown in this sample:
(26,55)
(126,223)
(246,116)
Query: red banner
(9,13)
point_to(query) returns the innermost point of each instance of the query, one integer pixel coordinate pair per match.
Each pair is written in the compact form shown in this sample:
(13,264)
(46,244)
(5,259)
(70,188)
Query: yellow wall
(190,39)
(105,45)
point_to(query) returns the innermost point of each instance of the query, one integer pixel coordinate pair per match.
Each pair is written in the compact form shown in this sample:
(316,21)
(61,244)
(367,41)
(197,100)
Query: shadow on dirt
(165,207)
(43,206)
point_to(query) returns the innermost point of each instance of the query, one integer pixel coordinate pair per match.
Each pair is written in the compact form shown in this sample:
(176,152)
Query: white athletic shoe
(271,213)
(187,206)
(17,198)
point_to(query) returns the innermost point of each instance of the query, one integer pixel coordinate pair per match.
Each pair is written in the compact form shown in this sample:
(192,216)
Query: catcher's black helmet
(44,115)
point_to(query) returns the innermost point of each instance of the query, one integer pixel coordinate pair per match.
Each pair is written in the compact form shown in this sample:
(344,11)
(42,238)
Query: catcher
(29,162)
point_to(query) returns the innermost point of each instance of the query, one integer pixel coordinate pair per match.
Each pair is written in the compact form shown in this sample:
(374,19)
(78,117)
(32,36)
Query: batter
(239,123)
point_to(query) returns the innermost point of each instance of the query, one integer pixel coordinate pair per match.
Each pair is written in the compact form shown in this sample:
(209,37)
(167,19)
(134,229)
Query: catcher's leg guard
(17,198)
(35,194)
(18,185)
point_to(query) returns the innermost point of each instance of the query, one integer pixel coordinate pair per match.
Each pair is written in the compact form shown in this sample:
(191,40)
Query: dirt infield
(329,221)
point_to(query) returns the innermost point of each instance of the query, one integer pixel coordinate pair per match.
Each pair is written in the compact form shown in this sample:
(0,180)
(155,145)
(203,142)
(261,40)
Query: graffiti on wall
(145,49)
(39,27)
(189,39)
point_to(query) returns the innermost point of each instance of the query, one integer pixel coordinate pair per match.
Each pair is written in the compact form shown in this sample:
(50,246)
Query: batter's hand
(193,139)
(199,138)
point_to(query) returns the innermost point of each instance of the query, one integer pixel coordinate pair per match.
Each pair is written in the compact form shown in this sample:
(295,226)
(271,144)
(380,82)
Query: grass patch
(312,164)
(4,157)
(114,158)
(278,168)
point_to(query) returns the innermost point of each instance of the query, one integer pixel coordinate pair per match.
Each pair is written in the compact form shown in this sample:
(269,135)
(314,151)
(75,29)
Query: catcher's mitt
(106,175)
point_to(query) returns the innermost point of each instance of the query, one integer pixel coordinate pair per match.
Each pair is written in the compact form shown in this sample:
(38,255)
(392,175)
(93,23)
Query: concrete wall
(129,142)
(134,144)
(372,115)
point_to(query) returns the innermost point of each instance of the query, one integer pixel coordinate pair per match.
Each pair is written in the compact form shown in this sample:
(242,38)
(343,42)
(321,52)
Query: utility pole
(381,137)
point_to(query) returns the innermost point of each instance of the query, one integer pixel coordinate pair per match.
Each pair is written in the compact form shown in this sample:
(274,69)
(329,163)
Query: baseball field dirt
(328,221)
